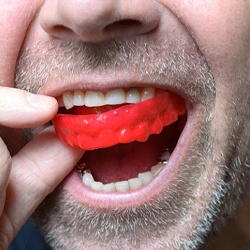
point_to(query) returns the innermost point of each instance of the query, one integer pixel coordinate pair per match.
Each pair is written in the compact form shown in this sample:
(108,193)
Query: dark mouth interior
(125,161)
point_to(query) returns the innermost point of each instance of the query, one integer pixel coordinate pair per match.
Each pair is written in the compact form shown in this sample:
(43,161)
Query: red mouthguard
(132,122)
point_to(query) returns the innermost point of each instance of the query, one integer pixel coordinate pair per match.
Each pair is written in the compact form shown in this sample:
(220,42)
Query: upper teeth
(112,97)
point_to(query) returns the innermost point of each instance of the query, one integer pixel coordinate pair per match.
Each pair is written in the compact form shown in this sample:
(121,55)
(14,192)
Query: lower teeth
(124,186)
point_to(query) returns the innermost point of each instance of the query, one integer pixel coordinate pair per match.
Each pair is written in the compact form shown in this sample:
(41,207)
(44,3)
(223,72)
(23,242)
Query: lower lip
(165,180)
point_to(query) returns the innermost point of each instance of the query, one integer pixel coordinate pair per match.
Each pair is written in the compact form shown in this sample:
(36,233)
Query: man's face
(199,50)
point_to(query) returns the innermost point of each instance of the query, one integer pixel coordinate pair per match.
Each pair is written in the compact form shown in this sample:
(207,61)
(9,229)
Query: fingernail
(41,101)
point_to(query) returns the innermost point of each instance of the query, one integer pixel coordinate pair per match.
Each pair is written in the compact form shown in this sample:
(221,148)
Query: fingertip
(42,102)
(19,108)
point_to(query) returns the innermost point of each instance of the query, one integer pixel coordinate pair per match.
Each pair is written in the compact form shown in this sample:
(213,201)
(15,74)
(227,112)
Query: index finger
(37,169)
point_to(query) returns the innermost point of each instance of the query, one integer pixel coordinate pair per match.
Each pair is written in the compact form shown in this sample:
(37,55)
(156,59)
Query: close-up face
(156,94)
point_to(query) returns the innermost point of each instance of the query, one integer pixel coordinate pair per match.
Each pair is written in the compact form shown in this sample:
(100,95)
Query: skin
(215,167)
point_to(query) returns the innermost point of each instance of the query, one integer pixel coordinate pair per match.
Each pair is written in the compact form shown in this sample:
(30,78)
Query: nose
(98,20)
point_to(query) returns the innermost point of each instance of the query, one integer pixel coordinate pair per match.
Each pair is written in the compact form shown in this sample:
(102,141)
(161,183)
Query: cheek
(220,28)
(15,17)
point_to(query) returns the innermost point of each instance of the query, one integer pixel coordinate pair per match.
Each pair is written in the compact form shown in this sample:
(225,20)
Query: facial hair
(178,218)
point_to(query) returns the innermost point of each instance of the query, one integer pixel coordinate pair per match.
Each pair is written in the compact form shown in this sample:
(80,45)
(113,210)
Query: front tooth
(94,99)
(133,96)
(68,100)
(122,186)
(146,177)
(147,93)
(135,183)
(78,98)
(114,97)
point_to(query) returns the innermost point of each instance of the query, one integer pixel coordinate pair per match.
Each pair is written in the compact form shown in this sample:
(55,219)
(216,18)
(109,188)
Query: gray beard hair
(173,62)
(69,225)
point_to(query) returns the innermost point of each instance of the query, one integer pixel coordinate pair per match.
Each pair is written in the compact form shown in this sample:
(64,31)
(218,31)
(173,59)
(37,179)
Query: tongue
(134,122)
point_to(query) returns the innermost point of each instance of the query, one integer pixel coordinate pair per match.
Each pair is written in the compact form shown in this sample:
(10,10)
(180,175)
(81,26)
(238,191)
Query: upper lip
(75,68)
(195,85)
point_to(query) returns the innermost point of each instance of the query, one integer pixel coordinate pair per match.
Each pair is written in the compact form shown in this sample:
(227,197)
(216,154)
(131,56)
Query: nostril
(122,25)
(117,28)
(60,31)
(57,29)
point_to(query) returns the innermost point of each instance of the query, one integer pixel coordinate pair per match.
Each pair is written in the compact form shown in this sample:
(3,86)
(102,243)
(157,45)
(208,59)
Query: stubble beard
(180,218)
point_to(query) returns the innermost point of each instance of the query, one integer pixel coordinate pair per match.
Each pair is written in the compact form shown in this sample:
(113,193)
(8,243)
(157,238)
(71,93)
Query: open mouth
(128,134)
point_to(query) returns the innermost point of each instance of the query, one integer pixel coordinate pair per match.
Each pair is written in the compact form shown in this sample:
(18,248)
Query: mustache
(177,63)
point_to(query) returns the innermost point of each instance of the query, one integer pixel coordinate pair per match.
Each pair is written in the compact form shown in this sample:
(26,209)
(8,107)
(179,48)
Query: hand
(37,168)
